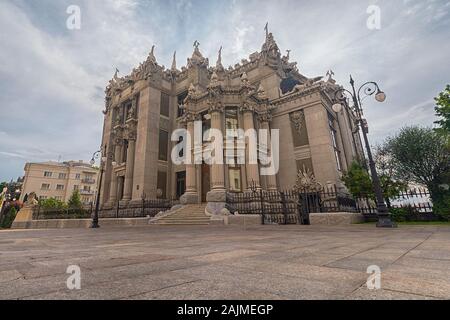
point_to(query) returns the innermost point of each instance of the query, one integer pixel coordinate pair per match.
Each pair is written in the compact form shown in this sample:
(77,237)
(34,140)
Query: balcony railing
(87,192)
(88,181)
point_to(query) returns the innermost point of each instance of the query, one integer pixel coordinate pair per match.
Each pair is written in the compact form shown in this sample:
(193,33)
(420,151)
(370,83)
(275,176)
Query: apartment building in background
(60,179)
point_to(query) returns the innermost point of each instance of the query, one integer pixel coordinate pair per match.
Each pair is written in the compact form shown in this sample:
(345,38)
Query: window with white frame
(48,174)
(45,186)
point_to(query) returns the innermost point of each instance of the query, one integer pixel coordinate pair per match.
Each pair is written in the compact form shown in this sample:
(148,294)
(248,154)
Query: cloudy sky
(52,79)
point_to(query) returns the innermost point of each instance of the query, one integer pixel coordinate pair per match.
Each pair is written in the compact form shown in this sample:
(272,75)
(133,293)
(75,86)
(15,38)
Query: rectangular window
(60,187)
(78,176)
(163,145)
(42,198)
(181,183)
(165,105)
(235,179)
(48,174)
(181,99)
(231,120)
(76,187)
(162,185)
(62,176)
(45,186)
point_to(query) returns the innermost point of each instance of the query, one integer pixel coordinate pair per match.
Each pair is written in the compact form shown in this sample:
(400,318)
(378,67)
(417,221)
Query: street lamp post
(95,156)
(369,89)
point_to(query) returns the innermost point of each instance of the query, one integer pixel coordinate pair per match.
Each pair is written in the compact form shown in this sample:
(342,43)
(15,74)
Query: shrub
(9,217)
(52,203)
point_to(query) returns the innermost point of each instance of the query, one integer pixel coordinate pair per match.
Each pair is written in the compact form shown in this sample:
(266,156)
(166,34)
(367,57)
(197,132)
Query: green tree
(421,155)
(357,181)
(75,200)
(443,110)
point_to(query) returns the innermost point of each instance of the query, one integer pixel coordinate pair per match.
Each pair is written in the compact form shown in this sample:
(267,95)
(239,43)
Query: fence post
(262,207)
(283,203)
(300,205)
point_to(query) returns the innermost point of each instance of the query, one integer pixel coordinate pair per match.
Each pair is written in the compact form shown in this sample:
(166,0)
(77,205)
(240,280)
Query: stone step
(189,215)
(185,218)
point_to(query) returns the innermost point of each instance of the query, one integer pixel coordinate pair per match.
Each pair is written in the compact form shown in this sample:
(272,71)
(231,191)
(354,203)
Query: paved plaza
(263,262)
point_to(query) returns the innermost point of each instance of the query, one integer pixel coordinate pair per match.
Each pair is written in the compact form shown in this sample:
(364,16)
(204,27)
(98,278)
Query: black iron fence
(294,207)
(139,209)
(43,213)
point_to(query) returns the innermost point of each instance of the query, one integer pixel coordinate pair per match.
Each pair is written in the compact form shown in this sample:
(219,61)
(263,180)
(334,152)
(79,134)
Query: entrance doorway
(181,183)
(206,181)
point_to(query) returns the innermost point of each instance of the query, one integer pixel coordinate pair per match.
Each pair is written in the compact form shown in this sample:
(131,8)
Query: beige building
(264,91)
(59,180)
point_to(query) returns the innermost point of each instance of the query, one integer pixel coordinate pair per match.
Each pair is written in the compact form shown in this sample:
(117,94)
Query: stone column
(217,196)
(129,170)
(191,195)
(128,187)
(252,169)
(271,181)
(114,178)
(217,172)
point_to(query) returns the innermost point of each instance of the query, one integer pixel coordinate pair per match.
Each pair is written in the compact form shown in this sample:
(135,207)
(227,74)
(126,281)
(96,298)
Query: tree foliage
(75,200)
(359,183)
(443,110)
(8,219)
(421,155)
(52,203)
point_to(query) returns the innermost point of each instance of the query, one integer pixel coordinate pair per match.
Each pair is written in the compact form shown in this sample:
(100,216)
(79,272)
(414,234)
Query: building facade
(265,91)
(59,180)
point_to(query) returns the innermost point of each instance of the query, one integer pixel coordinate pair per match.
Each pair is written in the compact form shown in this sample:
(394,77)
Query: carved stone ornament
(248,106)
(132,112)
(188,116)
(298,120)
(214,83)
(32,200)
(216,106)
(265,116)
(306,181)
(118,120)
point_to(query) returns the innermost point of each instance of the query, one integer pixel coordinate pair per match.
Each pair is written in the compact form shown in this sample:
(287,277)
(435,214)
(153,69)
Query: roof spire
(219,65)
(151,56)
(174,62)
(266,28)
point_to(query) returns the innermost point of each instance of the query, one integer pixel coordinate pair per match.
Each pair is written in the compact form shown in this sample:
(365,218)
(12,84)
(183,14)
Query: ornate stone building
(264,91)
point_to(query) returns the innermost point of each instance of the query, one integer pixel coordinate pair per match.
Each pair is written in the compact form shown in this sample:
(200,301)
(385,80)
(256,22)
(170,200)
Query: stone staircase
(188,215)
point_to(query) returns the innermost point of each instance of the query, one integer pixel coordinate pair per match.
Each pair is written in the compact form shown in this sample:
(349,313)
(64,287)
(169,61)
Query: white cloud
(52,79)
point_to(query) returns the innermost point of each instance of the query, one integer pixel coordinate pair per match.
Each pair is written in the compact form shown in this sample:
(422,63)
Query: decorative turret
(197,58)
(214,81)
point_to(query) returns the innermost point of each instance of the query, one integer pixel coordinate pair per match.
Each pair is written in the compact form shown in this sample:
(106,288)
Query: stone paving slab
(213,262)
